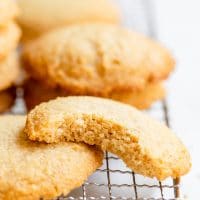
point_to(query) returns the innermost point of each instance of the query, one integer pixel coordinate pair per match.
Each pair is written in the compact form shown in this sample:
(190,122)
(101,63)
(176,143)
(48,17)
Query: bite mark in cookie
(147,146)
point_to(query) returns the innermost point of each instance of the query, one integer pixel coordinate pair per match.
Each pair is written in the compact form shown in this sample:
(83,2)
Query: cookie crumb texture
(31,170)
(146,146)
(96,60)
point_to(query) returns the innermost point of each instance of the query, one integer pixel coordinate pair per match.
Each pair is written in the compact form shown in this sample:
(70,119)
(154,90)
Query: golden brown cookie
(141,99)
(36,92)
(31,170)
(7,98)
(8,11)
(9,37)
(97,59)
(9,70)
(148,147)
(39,16)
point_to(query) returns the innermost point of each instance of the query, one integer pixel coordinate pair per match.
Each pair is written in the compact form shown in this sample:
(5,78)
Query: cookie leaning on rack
(146,146)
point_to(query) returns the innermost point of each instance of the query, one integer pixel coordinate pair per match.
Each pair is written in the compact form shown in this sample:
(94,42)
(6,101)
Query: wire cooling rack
(114,181)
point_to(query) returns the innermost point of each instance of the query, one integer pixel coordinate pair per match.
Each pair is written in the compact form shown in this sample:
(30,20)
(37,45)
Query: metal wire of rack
(114,181)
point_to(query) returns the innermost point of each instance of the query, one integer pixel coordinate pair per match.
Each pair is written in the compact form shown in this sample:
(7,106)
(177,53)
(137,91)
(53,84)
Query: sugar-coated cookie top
(31,170)
(96,59)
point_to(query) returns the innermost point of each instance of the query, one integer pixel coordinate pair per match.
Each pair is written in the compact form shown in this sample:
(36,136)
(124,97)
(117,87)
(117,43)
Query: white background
(178,27)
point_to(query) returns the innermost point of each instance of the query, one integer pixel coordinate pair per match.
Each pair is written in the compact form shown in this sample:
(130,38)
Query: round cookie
(31,170)
(9,70)
(96,59)
(36,92)
(8,11)
(148,147)
(9,38)
(7,98)
(39,16)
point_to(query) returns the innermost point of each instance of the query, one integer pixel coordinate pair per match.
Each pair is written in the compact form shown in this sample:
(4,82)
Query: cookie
(9,37)
(9,70)
(148,147)
(39,16)
(7,98)
(36,92)
(8,11)
(31,170)
(96,60)
(141,99)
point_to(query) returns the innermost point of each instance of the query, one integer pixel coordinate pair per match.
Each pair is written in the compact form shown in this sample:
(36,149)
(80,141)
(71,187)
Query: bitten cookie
(31,170)
(146,146)
(36,92)
(97,60)
(9,70)
(8,11)
(7,98)
(39,16)
(9,38)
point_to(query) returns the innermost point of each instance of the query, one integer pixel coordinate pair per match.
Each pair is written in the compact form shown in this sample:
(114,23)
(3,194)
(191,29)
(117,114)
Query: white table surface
(178,27)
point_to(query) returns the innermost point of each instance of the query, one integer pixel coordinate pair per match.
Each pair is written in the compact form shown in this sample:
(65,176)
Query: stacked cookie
(96,60)
(9,67)
(40,16)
